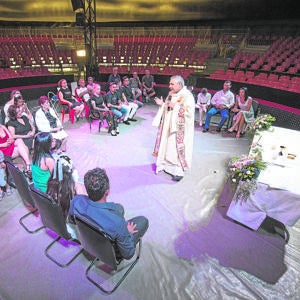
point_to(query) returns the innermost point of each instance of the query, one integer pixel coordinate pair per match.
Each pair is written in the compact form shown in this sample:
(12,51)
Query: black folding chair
(102,248)
(22,185)
(53,218)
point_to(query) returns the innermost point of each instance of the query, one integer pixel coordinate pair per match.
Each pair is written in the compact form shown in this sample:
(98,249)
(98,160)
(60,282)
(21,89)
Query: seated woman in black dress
(99,110)
(20,126)
(68,100)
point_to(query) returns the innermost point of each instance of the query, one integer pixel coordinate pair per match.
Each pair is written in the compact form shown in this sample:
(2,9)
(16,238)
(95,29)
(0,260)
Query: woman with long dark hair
(61,185)
(244,111)
(42,161)
(20,126)
(14,147)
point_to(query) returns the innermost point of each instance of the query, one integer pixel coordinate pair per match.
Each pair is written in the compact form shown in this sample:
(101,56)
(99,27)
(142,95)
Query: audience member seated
(148,85)
(114,103)
(22,105)
(20,126)
(203,101)
(42,161)
(10,102)
(14,148)
(108,216)
(57,154)
(99,110)
(68,100)
(128,99)
(135,85)
(221,102)
(244,111)
(46,120)
(121,96)
(114,76)
(81,91)
(61,185)
(90,84)
(62,188)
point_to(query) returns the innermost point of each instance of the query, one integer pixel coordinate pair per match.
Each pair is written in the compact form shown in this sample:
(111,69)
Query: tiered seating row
(283,82)
(283,57)
(154,51)
(22,53)
(40,52)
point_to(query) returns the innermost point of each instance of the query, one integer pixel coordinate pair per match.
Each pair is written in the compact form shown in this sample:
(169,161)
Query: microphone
(169,100)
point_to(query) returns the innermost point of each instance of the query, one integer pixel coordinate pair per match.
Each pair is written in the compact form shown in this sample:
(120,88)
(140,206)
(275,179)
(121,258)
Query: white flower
(233,180)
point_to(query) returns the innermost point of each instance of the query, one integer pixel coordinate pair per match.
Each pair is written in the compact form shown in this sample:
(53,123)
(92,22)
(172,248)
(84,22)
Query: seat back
(96,242)
(51,213)
(21,183)
(2,116)
(256,107)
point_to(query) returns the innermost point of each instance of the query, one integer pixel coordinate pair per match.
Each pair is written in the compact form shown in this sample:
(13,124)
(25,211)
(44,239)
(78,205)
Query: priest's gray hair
(178,79)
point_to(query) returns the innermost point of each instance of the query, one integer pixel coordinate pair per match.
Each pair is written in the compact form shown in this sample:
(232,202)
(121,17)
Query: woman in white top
(244,111)
(46,120)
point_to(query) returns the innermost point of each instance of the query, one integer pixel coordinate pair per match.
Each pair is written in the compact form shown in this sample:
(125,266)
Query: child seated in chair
(62,186)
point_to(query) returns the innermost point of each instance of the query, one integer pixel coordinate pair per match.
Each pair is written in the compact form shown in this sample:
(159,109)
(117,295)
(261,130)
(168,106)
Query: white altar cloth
(278,187)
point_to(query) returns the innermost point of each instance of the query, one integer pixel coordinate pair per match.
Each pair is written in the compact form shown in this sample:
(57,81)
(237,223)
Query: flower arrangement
(243,171)
(262,122)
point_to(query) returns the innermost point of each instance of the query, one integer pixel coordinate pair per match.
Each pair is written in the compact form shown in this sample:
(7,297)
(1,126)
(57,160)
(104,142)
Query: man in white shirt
(221,102)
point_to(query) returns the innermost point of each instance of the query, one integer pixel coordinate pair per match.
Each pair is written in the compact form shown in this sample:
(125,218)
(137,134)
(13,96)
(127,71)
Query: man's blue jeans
(213,111)
(141,222)
(119,112)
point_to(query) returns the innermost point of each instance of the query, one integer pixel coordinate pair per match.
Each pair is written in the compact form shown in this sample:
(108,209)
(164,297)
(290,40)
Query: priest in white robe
(175,121)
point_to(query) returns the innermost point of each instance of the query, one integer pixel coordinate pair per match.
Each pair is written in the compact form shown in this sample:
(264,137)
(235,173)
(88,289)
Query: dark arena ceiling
(150,10)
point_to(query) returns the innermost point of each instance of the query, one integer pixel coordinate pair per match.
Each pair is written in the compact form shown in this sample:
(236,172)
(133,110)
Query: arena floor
(191,250)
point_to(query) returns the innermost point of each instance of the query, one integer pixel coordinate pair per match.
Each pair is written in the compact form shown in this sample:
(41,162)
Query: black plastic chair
(102,248)
(23,187)
(53,218)
(256,108)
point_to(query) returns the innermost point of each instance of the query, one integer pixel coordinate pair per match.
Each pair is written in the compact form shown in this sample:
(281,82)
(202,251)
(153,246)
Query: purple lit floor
(191,250)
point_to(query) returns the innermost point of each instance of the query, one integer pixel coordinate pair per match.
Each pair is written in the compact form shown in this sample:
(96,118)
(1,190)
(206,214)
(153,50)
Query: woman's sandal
(9,191)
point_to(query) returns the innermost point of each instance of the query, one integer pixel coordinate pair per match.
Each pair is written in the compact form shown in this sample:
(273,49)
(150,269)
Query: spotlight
(80,53)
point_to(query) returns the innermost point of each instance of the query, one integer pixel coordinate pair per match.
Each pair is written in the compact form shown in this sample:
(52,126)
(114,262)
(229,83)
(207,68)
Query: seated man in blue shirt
(108,216)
